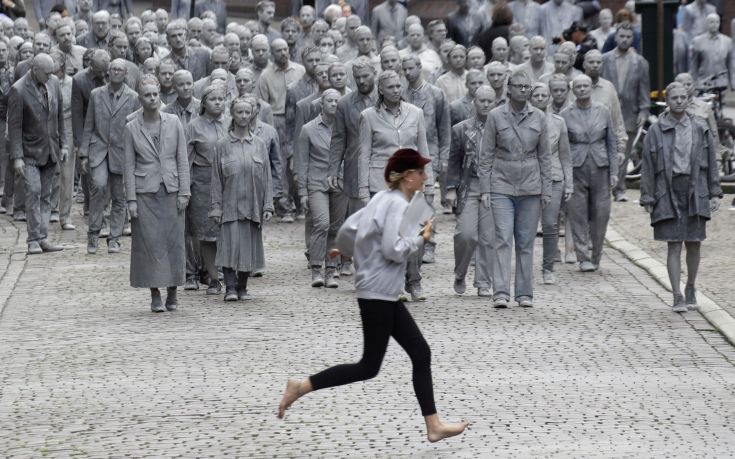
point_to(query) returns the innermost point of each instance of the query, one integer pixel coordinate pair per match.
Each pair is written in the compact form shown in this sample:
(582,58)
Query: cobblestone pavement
(717,269)
(599,368)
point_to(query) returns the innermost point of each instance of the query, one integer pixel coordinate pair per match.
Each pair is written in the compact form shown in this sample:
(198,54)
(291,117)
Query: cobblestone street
(600,367)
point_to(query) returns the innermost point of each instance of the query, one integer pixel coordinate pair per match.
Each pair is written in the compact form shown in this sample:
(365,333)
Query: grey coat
(104,127)
(195,60)
(461,110)
(464,157)
(433,103)
(561,162)
(304,87)
(146,167)
(381,136)
(122,7)
(635,96)
(657,166)
(35,127)
(515,158)
(387,23)
(241,180)
(269,136)
(591,133)
(344,149)
(82,85)
(713,56)
(312,158)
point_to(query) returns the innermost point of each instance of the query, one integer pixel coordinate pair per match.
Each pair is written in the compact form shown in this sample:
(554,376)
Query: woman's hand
(427,230)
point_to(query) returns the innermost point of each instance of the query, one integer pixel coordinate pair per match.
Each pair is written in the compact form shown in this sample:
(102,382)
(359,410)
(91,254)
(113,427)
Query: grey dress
(202,136)
(241,193)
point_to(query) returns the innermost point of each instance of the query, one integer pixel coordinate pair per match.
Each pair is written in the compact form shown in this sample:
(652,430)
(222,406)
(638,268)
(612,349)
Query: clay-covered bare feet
(437,430)
(293,391)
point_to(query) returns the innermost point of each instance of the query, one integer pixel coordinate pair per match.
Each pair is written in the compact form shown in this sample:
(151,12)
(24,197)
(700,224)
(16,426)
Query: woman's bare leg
(294,390)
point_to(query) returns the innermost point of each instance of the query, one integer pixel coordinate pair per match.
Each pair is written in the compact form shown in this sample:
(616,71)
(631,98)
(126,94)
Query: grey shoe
(34,248)
(231,294)
(156,304)
(679,304)
(113,246)
(570,258)
(104,232)
(258,273)
(172,302)
(621,197)
(316,277)
(500,302)
(19,216)
(288,218)
(215,287)
(329,280)
(416,292)
(347,269)
(127,231)
(428,254)
(586,267)
(690,293)
(54,217)
(549,277)
(525,301)
(459,285)
(92,244)
(191,283)
(484,292)
(446,209)
(66,226)
(46,246)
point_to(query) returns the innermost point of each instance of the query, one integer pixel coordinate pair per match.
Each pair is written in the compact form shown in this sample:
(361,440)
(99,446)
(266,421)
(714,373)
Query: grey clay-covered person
(680,188)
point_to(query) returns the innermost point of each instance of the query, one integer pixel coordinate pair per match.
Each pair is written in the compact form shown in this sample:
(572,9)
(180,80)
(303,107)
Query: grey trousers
(589,210)
(550,225)
(62,193)
(516,220)
(290,190)
(327,212)
(100,178)
(622,170)
(475,230)
(38,183)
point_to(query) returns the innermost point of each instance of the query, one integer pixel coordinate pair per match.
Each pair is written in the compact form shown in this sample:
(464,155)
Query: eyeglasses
(522,87)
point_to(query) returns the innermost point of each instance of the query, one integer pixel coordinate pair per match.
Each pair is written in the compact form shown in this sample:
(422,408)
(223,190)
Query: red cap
(403,160)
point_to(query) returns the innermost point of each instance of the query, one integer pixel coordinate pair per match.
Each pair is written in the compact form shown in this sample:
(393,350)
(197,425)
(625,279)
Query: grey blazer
(146,166)
(344,148)
(35,127)
(635,97)
(381,136)
(104,127)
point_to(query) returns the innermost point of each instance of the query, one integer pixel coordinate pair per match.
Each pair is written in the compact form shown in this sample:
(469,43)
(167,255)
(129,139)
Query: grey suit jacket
(146,166)
(344,148)
(433,103)
(591,133)
(104,127)
(635,97)
(35,127)
(122,7)
(381,136)
(82,85)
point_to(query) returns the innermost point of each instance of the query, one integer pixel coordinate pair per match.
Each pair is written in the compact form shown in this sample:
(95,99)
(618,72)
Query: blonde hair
(395,178)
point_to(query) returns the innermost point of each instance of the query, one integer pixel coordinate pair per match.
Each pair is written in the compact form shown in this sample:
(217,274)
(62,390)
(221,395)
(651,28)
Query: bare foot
(441,430)
(291,394)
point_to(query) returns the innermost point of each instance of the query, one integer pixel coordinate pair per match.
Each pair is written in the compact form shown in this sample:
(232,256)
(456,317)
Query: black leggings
(380,321)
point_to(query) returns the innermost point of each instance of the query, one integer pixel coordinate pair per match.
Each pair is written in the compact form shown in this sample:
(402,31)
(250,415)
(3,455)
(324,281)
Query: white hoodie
(371,237)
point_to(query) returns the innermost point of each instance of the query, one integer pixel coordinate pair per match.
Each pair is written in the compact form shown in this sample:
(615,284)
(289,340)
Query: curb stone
(711,311)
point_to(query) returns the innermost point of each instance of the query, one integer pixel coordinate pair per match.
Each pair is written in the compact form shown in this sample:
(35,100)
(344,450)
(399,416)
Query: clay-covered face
(582,89)
(326,46)
(364,79)
(242,114)
(540,98)
(411,70)
(184,86)
(245,84)
(214,103)
(484,101)
(677,100)
(593,65)
(559,92)
(624,38)
(687,81)
(519,89)
(166,75)
(338,77)
(457,59)
(329,103)
(390,60)
(149,96)
(391,90)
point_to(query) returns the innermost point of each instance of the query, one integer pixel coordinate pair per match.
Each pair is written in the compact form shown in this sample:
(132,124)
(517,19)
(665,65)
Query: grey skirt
(685,227)
(240,246)
(157,252)
(198,224)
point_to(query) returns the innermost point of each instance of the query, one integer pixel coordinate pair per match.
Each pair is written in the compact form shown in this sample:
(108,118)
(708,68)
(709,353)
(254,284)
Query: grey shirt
(682,145)
(185,114)
(202,136)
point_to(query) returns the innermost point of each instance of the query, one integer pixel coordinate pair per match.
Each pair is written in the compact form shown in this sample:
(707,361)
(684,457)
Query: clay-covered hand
(545,201)
(613,182)
(648,208)
(19,167)
(133,209)
(333,183)
(714,204)
(451,197)
(642,117)
(216,218)
(267,215)
(84,165)
(567,196)
(181,203)
(364,195)
(63,155)
(305,203)
(485,199)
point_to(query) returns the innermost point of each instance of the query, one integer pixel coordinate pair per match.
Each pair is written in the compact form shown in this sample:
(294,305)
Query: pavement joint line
(14,267)
(710,310)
